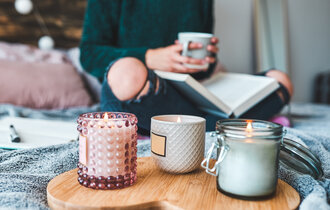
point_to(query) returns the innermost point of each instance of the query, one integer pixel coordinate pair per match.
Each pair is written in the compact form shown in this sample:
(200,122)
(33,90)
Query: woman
(125,40)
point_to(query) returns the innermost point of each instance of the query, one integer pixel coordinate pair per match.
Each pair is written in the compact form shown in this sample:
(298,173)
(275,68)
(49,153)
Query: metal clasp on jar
(224,148)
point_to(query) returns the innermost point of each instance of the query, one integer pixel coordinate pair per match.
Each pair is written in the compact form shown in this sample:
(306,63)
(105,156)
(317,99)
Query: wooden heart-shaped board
(157,189)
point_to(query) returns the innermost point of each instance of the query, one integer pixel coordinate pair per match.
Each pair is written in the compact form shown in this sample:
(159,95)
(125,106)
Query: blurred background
(255,35)
(307,32)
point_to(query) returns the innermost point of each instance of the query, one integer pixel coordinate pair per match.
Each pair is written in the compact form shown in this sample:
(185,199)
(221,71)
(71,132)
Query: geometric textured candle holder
(107,150)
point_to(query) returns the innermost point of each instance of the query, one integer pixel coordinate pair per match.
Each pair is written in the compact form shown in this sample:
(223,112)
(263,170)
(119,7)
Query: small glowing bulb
(24,7)
(179,120)
(46,43)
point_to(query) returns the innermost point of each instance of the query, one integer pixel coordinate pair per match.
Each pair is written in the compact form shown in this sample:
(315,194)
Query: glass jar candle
(107,150)
(248,152)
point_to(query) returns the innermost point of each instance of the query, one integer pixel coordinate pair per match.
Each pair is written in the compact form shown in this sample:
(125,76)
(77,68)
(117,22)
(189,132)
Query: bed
(24,174)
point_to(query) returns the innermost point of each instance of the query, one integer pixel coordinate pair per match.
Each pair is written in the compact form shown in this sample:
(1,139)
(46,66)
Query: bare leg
(127,78)
(282,78)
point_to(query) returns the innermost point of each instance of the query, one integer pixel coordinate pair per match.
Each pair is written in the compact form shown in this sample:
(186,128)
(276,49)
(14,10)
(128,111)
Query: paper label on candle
(83,149)
(158,144)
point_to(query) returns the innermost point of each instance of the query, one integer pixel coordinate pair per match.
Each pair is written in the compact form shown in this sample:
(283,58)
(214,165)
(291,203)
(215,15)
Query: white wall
(309,39)
(233,26)
(272,34)
(309,29)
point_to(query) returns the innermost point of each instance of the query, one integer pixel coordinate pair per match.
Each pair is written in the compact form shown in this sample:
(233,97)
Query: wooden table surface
(157,189)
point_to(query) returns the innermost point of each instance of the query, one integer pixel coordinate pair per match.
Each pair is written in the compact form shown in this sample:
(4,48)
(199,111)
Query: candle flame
(106,117)
(249,128)
(179,120)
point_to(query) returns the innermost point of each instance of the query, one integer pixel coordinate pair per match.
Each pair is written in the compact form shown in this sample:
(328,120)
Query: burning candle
(107,150)
(250,167)
(177,142)
(248,157)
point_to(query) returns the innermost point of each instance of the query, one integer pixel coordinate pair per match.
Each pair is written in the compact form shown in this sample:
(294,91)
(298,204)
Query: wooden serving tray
(157,189)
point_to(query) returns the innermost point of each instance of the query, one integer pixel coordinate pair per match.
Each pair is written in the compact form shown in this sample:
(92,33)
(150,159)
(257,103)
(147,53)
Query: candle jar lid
(299,158)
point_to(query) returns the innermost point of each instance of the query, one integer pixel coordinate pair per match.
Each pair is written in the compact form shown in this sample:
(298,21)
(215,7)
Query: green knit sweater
(127,28)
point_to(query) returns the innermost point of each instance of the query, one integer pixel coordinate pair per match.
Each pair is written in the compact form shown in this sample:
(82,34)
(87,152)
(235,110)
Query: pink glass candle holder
(107,150)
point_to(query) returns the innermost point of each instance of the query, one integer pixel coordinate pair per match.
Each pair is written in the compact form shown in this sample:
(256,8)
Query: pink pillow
(41,85)
(28,53)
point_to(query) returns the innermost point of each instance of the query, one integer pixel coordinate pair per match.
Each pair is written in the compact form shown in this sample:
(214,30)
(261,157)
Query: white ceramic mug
(185,38)
(177,142)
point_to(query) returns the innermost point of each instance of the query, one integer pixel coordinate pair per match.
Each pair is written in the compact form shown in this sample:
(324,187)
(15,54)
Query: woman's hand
(170,59)
(213,49)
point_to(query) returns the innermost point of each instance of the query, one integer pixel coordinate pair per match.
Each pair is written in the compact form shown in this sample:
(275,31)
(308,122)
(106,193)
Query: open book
(224,94)
(36,132)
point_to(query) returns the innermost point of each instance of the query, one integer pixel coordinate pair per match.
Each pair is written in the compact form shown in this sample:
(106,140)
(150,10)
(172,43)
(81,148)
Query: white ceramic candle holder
(177,142)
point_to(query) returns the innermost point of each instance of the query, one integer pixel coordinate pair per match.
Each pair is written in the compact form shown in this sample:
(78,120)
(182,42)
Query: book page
(202,98)
(240,90)
(196,93)
(229,93)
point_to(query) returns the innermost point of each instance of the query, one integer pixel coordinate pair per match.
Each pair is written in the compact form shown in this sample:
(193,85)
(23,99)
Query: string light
(25,7)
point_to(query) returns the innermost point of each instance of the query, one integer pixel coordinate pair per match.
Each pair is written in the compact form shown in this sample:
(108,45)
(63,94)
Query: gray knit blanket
(24,174)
